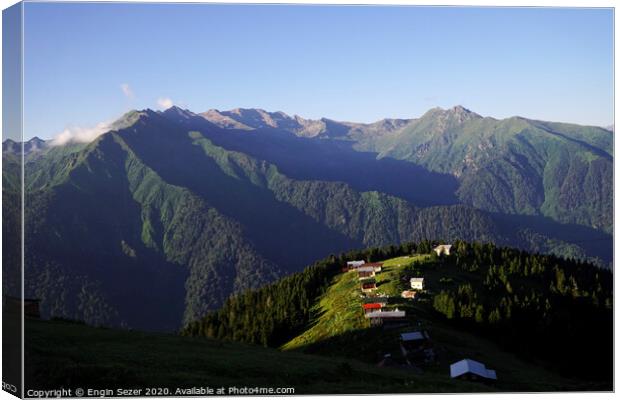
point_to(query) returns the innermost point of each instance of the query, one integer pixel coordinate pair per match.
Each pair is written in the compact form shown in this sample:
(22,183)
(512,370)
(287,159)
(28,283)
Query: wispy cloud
(78,134)
(127,90)
(165,102)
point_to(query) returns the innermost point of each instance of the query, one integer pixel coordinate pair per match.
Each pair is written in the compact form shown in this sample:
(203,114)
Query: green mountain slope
(515,165)
(321,194)
(111,205)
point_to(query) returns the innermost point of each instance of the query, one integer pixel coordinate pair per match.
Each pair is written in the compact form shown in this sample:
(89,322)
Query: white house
(355,264)
(443,249)
(386,314)
(378,318)
(467,368)
(417,283)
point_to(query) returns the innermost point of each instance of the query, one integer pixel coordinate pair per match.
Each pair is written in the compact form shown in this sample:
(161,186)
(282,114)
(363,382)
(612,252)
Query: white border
(482,3)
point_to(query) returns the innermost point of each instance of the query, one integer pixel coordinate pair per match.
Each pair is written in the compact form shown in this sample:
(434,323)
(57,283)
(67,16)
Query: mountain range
(159,220)
(514,165)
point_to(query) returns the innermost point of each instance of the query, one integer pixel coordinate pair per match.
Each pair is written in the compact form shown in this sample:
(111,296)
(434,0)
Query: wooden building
(377,266)
(365,272)
(413,341)
(371,307)
(368,286)
(13,305)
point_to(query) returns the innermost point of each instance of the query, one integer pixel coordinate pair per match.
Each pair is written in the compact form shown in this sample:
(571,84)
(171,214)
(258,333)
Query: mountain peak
(34,144)
(460,109)
(178,112)
(224,119)
(455,115)
(253,118)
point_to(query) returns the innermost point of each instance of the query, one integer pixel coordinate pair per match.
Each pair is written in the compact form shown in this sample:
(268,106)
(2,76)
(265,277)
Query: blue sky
(341,62)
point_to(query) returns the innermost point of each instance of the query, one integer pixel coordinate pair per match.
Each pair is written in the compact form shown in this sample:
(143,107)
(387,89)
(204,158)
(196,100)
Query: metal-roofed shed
(470,368)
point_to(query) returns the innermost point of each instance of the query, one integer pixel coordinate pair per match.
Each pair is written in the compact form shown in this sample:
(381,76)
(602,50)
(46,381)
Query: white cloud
(80,135)
(127,90)
(165,102)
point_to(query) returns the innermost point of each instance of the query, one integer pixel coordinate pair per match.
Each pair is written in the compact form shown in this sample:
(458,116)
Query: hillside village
(415,346)
(462,313)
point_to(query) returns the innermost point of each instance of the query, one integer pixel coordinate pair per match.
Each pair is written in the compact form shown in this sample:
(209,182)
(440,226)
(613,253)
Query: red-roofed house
(371,307)
(15,305)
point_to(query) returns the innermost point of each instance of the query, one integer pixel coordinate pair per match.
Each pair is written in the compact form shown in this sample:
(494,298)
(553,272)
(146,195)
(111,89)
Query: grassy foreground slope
(61,354)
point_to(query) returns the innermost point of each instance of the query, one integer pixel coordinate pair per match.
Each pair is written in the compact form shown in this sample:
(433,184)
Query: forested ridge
(544,307)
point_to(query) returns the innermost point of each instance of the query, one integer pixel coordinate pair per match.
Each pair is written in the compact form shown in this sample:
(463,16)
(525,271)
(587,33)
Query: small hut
(471,370)
(443,249)
(13,305)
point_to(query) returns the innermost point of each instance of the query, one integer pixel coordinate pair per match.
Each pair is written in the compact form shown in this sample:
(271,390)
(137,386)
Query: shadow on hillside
(360,344)
(336,160)
(594,242)
(371,345)
(582,143)
(87,260)
(281,232)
